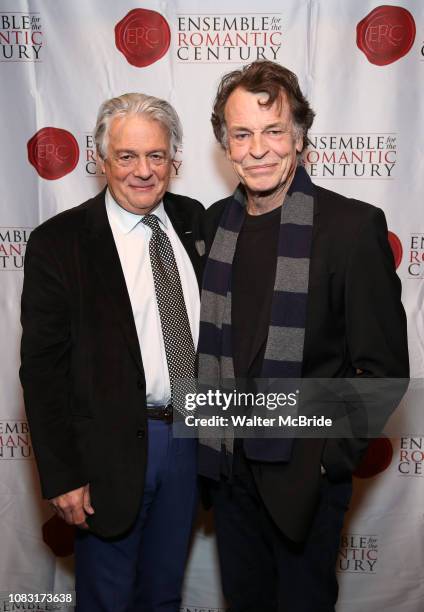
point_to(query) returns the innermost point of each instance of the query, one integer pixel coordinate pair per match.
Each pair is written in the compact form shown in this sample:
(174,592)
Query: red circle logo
(377,458)
(143,36)
(396,247)
(53,152)
(386,34)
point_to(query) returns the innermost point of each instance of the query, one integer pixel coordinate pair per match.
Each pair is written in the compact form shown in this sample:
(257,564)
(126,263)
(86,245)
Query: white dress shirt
(132,242)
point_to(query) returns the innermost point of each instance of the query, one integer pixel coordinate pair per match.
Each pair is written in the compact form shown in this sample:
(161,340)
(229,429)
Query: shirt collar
(125,220)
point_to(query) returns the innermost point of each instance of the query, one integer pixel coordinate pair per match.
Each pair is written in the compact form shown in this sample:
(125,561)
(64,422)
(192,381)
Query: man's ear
(100,161)
(299,144)
(227,150)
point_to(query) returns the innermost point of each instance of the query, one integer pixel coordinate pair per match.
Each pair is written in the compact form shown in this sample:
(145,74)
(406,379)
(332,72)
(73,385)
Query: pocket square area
(200,247)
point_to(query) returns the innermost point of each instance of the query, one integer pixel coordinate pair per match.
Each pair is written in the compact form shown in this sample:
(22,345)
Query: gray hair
(137,104)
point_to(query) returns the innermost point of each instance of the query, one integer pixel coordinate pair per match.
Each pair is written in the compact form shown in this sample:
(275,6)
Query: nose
(142,168)
(258,146)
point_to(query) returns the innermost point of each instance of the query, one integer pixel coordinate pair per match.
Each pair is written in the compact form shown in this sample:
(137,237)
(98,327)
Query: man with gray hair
(110,311)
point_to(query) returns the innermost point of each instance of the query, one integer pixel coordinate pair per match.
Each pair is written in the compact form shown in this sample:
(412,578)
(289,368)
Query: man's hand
(74,506)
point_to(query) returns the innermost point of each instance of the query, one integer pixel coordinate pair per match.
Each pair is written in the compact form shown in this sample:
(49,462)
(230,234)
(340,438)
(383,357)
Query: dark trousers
(143,571)
(262,571)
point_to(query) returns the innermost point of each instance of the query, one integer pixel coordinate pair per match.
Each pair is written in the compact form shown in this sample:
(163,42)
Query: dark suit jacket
(355,320)
(82,372)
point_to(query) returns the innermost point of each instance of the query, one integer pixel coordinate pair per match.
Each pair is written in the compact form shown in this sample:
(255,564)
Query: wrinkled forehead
(245,104)
(140,129)
(142,121)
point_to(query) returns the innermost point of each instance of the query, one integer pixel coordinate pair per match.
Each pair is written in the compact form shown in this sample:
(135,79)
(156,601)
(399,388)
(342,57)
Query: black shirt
(252,285)
(253,278)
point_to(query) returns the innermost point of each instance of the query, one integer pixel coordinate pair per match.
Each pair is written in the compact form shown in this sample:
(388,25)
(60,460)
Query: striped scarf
(284,349)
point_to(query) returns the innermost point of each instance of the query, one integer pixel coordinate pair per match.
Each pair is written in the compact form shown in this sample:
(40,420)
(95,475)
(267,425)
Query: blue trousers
(143,571)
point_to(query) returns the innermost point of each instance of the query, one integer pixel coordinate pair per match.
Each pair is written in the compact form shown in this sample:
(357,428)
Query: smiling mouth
(141,187)
(260,168)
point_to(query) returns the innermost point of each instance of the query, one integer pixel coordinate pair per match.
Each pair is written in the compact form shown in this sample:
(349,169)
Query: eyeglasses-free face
(138,164)
(262,141)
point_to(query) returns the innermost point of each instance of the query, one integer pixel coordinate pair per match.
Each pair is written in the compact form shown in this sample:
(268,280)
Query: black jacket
(355,322)
(82,372)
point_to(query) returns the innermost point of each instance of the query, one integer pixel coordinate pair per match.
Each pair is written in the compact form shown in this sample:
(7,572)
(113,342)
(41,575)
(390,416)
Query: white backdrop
(360,64)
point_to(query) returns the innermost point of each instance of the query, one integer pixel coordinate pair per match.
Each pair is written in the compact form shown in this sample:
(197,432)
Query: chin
(269,187)
(263,187)
(144,204)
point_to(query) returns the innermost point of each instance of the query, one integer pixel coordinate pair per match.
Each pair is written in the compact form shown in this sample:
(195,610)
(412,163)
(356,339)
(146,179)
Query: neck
(259,203)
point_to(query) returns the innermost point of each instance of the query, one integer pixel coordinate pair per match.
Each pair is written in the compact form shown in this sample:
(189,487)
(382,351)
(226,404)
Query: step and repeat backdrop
(361,65)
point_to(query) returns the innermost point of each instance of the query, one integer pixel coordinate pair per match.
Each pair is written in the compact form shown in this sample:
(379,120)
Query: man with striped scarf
(299,283)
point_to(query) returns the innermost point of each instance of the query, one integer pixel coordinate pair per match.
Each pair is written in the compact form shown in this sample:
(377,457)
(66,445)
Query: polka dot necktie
(177,338)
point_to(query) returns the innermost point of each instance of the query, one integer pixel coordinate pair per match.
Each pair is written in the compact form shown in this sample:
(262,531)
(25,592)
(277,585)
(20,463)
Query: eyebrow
(118,151)
(278,124)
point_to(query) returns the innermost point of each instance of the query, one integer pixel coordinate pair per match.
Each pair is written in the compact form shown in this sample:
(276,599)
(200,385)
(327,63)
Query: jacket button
(141,433)
(140,383)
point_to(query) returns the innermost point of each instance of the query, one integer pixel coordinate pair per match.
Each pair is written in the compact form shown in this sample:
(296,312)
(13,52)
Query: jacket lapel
(102,251)
(187,233)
